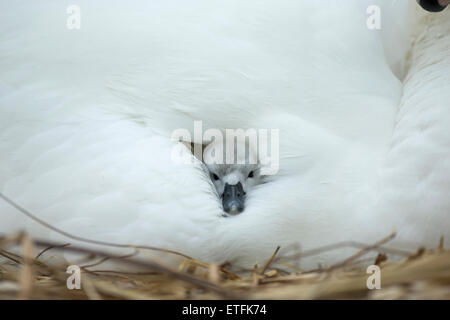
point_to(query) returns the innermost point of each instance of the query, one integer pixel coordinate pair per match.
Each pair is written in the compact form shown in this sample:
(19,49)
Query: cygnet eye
(251,174)
(214,176)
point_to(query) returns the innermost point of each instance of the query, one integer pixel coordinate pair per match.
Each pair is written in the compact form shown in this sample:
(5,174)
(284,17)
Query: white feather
(86,117)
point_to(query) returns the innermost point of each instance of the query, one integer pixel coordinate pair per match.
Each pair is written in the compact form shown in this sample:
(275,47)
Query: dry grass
(423,275)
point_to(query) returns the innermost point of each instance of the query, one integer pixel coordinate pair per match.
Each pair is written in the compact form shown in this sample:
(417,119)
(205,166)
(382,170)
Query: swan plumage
(86,117)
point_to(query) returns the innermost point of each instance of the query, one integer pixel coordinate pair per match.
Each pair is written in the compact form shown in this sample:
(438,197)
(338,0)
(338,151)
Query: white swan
(86,117)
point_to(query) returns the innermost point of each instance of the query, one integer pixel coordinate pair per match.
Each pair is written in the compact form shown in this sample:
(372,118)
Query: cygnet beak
(233,199)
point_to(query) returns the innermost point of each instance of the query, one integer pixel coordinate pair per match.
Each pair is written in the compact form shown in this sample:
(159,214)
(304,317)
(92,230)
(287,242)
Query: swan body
(86,118)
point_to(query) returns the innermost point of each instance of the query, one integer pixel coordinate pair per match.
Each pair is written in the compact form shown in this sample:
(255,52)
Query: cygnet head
(234,170)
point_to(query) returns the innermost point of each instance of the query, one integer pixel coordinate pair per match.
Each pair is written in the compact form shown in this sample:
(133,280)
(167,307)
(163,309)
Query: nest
(424,274)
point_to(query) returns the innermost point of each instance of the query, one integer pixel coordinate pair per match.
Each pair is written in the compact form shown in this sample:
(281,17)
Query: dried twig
(269,262)
(49,248)
(362,252)
(26,272)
